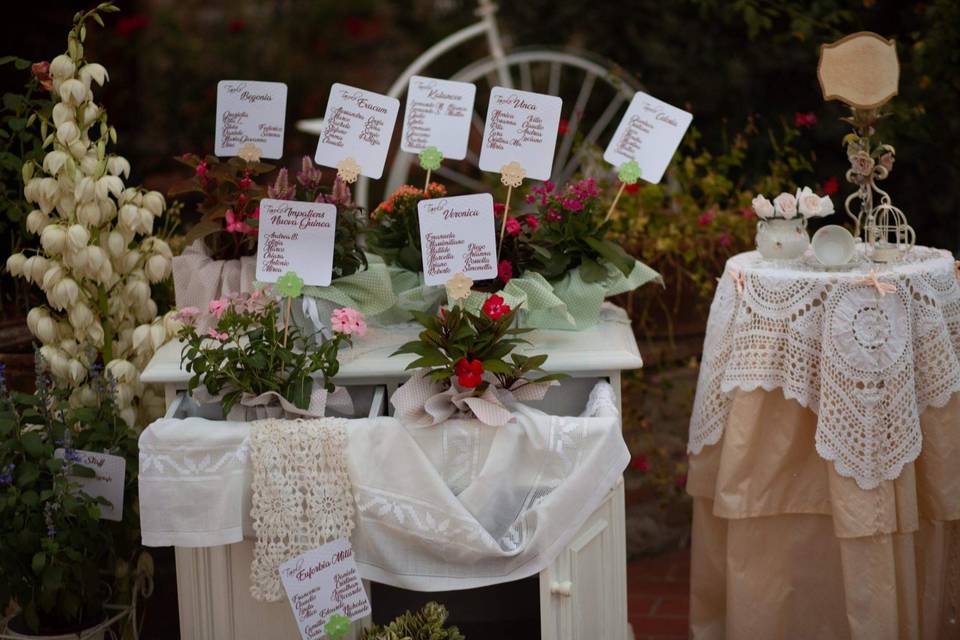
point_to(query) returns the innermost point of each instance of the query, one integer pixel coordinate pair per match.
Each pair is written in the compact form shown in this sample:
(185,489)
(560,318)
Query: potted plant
(247,355)
(466,363)
(61,562)
(220,259)
(555,261)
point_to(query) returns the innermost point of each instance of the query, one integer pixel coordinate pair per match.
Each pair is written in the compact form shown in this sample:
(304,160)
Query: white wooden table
(583,594)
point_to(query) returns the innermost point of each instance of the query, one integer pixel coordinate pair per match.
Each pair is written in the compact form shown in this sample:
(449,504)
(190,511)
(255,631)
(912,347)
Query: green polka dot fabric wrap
(568,303)
(369,291)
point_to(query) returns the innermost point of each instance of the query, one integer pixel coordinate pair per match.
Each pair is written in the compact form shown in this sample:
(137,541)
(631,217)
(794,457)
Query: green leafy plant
(394,231)
(574,231)
(426,624)
(461,348)
(21,142)
(250,349)
(60,561)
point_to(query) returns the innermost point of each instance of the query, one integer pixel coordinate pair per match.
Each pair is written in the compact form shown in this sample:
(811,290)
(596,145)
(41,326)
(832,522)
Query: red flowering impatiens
(494,308)
(469,372)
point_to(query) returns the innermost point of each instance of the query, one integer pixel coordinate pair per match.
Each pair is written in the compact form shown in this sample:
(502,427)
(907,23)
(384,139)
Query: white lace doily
(867,364)
(301,494)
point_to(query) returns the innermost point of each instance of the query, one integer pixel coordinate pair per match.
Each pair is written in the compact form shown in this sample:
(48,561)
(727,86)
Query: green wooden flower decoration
(629,172)
(289,285)
(430,158)
(337,626)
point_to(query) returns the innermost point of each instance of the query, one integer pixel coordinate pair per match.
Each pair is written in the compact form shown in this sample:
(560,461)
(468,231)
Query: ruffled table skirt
(784,547)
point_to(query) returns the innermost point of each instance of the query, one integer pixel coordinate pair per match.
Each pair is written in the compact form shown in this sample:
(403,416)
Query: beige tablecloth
(784,547)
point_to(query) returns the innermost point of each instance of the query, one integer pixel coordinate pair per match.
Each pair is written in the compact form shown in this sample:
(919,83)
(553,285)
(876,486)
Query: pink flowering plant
(240,344)
(230,192)
(573,231)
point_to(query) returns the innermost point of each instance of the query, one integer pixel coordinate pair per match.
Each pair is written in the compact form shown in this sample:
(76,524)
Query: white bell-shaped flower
(73,92)
(68,132)
(65,292)
(122,370)
(141,337)
(129,216)
(95,72)
(116,244)
(88,214)
(63,112)
(62,67)
(52,277)
(145,221)
(37,220)
(118,165)
(53,238)
(15,264)
(80,315)
(78,236)
(153,201)
(54,161)
(130,261)
(109,184)
(157,268)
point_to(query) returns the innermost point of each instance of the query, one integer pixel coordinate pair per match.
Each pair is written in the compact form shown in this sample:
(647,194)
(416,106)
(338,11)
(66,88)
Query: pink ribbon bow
(737,277)
(873,280)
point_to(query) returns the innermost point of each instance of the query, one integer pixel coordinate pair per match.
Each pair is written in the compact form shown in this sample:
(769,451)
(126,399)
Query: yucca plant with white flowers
(97,255)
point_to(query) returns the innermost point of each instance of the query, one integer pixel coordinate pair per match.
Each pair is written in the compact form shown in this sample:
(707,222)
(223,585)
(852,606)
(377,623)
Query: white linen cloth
(456,506)
(867,363)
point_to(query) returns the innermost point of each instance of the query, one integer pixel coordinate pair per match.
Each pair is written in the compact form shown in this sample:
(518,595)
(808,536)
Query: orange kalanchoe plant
(394,231)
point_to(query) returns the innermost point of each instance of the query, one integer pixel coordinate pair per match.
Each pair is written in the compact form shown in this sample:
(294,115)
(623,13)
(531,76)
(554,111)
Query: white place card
(458,235)
(521,126)
(438,114)
(108,482)
(296,236)
(321,583)
(250,112)
(650,132)
(358,124)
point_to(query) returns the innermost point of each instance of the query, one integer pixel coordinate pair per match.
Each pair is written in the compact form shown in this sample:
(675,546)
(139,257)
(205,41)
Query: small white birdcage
(887,235)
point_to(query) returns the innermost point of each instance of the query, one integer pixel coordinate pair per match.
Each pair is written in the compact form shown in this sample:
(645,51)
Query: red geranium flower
(640,463)
(532,222)
(494,308)
(801,120)
(513,227)
(469,372)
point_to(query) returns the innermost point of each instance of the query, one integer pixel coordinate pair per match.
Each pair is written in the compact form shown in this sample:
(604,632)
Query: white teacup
(833,245)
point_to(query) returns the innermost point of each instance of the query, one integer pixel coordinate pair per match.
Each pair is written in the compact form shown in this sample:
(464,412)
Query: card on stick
(323,583)
(649,134)
(110,474)
(250,113)
(457,235)
(438,114)
(296,236)
(521,127)
(357,125)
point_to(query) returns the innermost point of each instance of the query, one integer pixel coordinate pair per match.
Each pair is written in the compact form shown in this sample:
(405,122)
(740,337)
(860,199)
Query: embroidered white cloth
(456,506)
(866,359)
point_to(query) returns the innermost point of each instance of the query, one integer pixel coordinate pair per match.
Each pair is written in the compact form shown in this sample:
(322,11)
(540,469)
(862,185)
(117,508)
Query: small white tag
(358,124)
(321,583)
(521,127)
(457,235)
(250,112)
(649,133)
(296,236)
(108,483)
(438,114)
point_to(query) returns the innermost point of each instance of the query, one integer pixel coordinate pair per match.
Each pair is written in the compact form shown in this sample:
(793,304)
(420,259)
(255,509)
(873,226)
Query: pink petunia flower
(348,322)
(221,336)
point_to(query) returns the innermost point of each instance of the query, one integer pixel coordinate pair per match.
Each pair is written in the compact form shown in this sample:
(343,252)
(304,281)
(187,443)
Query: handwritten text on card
(457,235)
(438,114)
(250,112)
(649,133)
(358,124)
(296,236)
(321,583)
(107,483)
(521,126)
